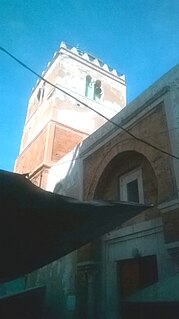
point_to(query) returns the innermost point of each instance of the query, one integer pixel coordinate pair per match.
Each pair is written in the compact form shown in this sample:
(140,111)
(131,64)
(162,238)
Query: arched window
(40,94)
(97,90)
(89,87)
(93,89)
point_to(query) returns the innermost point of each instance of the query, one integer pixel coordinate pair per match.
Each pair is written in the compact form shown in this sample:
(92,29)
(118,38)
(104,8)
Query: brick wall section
(37,178)
(40,177)
(51,144)
(33,155)
(153,128)
(64,141)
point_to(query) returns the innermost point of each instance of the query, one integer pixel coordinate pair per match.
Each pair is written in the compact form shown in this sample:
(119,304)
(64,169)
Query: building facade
(68,149)
(113,165)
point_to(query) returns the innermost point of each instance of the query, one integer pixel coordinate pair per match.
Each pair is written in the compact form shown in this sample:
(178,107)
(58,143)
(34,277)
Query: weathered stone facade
(67,149)
(56,122)
(102,159)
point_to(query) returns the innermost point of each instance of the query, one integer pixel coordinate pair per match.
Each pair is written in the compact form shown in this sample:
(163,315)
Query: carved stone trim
(169,205)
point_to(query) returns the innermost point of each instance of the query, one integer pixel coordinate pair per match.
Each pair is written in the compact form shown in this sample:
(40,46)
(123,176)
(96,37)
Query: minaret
(55,122)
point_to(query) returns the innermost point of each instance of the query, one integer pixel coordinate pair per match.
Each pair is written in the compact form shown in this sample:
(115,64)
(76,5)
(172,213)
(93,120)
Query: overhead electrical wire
(89,107)
(123,142)
(78,157)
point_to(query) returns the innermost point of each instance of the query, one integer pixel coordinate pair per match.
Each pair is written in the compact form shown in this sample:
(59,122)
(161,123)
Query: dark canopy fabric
(38,227)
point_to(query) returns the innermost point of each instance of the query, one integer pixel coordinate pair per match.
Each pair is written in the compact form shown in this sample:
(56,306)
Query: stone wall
(32,157)
(64,141)
(112,157)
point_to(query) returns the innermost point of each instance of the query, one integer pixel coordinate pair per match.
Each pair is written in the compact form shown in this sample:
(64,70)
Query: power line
(89,107)
(123,142)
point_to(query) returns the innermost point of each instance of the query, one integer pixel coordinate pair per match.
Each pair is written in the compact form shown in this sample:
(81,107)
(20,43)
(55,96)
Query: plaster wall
(35,124)
(76,69)
(65,177)
(172,113)
(68,71)
(59,279)
(148,239)
(171,225)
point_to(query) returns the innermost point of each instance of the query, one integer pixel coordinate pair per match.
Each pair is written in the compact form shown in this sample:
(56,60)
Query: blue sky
(139,38)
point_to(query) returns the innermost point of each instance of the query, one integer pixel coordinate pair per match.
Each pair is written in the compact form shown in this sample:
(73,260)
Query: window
(89,87)
(40,94)
(135,274)
(93,89)
(131,186)
(133,191)
(97,90)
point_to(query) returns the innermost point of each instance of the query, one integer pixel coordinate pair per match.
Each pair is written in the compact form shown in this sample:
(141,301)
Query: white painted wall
(67,173)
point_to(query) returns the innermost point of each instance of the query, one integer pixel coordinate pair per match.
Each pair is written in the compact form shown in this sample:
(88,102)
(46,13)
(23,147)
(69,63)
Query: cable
(89,107)
(123,142)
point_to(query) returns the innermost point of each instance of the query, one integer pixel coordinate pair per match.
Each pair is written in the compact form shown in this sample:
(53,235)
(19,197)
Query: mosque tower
(56,122)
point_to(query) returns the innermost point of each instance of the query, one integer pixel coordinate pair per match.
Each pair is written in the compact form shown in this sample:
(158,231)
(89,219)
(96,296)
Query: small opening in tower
(89,87)
(97,90)
(40,94)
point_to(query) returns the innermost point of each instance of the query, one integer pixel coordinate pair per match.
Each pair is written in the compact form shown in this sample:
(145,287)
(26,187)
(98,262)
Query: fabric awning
(26,304)
(38,227)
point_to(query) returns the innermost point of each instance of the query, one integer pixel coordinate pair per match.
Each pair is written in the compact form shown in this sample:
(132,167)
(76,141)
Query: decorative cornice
(85,56)
(81,54)
(169,205)
(90,58)
(114,72)
(105,67)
